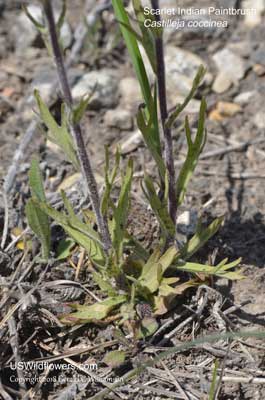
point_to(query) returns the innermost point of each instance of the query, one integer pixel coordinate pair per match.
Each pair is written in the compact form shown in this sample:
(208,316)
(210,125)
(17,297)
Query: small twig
(5,230)
(13,338)
(4,392)
(231,148)
(175,381)
(184,323)
(239,175)
(76,128)
(160,392)
(241,379)
(161,81)
(74,352)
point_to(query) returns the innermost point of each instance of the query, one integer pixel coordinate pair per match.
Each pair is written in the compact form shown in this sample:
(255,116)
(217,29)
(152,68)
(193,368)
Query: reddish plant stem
(76,128)
(162,97)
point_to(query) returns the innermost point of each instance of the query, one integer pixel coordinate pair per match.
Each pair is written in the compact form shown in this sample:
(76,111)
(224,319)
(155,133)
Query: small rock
(230,64)
(253,19)
(224,110)
(119,118)
(258,55)
(131,143)
(215,116)
(222,83)
(259,120)
(26,34)
(187,222)
(103,83)
(259,69)
(181,68)
(228,109)
(242,48)
(179,61)
(130,92)
(244,98)
(44,82)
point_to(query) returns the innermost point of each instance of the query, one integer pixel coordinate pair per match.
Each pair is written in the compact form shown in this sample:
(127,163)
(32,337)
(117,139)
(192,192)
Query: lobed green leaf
(180,107)
(58,134)
(194,150)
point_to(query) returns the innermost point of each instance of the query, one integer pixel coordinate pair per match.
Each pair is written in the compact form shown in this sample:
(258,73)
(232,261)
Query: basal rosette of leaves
(137,287)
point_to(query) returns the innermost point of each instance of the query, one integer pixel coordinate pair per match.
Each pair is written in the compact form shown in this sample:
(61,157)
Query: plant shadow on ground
(243,235)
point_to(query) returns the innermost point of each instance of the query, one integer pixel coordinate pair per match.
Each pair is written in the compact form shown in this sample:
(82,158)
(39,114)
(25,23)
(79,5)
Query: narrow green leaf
(80,109)
(68,205)
(82,233)
(151,277)
(40,27)
(148,34)
(194,151)
(200,238)
(61,18)
(137,60)
(39,223)
(133,50)
(109,179)
(132,244)
(94,312)
(214,381)
(35,181)
(103,283)
(159,207)
(196,82)
(64,248)
(222,272)
(167,258)
(150,136)
(121,211)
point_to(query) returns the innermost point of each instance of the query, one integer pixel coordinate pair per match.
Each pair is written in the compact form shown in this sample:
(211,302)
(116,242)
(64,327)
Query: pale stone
(119,118)
(130,92)
(253,19)
(259,120)
(244,98)
(104,86)
(228,109)
(230,64)
(187,222)
(222,83)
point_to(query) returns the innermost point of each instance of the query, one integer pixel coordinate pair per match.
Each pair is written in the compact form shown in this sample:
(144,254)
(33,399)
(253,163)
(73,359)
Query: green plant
(137,286)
